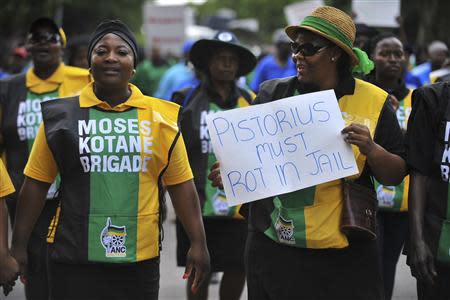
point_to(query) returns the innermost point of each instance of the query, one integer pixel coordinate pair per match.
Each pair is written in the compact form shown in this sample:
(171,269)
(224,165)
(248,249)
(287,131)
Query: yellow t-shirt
(42,166)
(6,186)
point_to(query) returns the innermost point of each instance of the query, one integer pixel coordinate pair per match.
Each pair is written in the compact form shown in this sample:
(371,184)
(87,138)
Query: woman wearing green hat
(318,261)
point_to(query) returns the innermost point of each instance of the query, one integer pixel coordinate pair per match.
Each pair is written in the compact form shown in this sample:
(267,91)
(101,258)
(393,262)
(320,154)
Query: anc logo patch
(113,240)
(386,195)
(285,230)
(220,204)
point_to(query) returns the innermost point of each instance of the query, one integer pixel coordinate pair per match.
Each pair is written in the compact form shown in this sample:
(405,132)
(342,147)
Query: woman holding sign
(115,150)
(221,61)
(310,258)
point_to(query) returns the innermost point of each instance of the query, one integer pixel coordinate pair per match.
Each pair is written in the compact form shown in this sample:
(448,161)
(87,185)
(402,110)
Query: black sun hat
(202,50)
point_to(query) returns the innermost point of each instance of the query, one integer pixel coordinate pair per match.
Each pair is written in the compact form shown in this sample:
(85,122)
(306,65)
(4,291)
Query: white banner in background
(165,26)
(281,146)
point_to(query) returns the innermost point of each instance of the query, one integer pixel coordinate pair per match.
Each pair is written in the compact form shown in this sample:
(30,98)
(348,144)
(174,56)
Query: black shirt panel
(425,145)
(388,133)
(192,125)
(426,126)
(400,92)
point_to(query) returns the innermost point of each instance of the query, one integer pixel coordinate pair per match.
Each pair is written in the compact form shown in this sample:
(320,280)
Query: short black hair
(379,37)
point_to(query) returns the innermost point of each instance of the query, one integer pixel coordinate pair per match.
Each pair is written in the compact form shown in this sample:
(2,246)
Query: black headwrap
(118,28)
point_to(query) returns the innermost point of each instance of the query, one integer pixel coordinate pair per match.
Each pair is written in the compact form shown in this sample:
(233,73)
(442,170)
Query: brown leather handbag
(359,211)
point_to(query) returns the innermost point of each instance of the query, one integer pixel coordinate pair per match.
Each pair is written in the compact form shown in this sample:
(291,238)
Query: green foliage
(78,16)
(269,13)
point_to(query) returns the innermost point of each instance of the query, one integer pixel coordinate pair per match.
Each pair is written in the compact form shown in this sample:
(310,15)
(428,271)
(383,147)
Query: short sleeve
(6,186)
(41,164)
(388,133)
(420,135)
(179,169)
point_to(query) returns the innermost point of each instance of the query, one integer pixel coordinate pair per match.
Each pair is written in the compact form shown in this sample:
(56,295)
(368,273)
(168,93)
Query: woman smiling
(106,236)
(315,259)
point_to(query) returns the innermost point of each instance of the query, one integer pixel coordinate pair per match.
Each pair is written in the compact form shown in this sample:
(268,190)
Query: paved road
(172,285)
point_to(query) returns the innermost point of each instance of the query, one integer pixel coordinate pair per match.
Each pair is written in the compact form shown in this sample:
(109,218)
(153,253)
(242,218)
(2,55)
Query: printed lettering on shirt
(403,115)
(204,134)
(29,116)
(115,145)
(445,162)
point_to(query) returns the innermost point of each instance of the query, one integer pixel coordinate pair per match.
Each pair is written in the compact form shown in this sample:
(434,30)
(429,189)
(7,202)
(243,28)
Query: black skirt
(226,243)
(276,271)
(98,281)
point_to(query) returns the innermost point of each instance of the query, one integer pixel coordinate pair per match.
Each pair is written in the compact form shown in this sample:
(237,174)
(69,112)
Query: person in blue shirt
(437,52)
(176,76)
(278,65)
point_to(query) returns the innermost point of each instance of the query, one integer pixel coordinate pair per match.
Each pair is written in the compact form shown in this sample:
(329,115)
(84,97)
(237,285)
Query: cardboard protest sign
(281,146)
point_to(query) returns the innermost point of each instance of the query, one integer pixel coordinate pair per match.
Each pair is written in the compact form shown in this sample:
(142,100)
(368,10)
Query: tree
(76,16)
(269,13)
(425,21)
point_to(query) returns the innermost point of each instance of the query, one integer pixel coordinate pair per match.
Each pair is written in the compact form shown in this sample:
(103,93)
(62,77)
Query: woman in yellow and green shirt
(9,269)
(115,149)
(20,116)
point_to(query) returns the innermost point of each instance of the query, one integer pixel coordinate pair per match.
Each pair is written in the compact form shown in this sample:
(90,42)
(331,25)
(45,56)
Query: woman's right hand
(422,262)
(197,265)
(9,271)
(21,256)
(215,177)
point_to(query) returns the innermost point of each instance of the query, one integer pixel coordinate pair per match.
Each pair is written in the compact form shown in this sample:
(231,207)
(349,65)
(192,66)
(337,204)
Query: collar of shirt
(346,86)
(89,99)
(40,86)
(400,92)
(215,97)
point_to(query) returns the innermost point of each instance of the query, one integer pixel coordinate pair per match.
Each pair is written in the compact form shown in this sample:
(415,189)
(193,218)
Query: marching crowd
(91,143)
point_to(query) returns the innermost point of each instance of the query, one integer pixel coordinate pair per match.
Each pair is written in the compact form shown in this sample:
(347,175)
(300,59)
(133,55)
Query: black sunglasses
(307,49)
(47,37)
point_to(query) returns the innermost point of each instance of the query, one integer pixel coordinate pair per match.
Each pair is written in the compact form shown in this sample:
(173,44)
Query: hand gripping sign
(281,146)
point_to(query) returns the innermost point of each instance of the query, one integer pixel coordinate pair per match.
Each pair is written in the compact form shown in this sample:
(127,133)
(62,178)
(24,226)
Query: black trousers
(392,233)
(440,291)
(36,287)
(104,281)
(279,272)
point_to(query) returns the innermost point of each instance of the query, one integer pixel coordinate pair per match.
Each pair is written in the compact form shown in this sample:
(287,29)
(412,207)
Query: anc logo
(113,240)
(285,230)
(220,204)
(386,195)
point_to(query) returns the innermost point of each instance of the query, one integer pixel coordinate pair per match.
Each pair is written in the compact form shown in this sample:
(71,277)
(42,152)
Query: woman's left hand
(198,265)
(359,135)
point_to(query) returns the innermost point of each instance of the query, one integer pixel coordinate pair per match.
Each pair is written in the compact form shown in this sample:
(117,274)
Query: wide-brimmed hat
(45,21)
(202,51)
(337,27)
